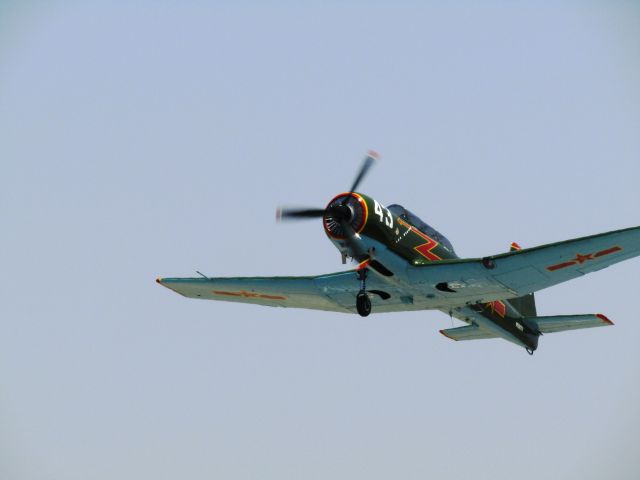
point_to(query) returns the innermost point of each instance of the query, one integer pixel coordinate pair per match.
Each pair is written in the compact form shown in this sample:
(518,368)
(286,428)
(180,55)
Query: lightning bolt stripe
(425,249)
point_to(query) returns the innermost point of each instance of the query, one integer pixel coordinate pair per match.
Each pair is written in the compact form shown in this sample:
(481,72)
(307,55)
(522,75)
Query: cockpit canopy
(414,220)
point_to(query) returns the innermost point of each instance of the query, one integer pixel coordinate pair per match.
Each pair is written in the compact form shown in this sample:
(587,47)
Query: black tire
(363,304)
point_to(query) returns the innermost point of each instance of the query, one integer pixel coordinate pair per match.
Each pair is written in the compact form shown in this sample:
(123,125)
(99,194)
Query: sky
(145,139)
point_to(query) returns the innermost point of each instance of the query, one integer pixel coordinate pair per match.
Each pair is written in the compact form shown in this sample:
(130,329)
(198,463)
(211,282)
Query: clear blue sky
(157,139)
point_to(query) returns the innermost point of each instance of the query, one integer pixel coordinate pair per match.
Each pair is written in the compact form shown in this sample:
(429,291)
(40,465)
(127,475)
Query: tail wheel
(363,304)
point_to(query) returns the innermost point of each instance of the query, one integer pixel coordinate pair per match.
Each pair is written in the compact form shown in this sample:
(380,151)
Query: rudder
(526,305)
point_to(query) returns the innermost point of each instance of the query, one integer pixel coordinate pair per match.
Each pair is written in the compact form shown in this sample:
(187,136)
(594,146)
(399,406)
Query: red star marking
(244,293)
(580,259)
(583,258)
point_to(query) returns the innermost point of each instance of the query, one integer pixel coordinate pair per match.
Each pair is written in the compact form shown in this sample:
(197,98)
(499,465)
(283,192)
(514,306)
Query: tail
(526,305)
(560,323)
(524,326)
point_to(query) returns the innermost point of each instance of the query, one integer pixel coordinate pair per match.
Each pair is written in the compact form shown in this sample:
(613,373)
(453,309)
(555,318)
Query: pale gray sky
(157,139)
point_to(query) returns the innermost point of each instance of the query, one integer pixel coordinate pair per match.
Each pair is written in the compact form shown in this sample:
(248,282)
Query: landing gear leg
(363,302)
(362,276)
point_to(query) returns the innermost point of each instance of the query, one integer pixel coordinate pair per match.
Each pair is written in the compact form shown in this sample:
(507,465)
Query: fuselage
(391,241)
(394,228)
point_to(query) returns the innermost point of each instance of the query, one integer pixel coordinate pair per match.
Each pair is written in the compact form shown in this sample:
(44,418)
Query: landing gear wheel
(363,304)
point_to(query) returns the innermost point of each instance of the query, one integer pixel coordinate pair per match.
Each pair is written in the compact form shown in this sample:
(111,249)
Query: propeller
(341,213)
(366,165)
(298,213)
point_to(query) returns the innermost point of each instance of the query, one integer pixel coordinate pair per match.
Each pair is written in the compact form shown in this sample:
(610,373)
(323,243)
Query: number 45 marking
(384,214)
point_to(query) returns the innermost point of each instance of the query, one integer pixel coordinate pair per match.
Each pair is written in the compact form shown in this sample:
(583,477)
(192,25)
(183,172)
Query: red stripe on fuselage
(426,248)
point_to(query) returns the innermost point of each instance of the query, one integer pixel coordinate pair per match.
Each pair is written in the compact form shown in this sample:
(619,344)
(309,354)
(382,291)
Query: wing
(518,273)
(505,276)
(333,292)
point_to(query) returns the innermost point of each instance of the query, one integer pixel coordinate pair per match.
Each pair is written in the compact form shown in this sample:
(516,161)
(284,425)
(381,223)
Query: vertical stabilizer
(525,305)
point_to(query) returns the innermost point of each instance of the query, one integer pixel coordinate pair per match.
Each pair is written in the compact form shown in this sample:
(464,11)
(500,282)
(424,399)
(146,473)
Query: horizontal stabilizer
(560,323)
(470,332)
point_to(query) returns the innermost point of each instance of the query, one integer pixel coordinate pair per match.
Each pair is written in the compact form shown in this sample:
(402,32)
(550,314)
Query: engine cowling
(352,208)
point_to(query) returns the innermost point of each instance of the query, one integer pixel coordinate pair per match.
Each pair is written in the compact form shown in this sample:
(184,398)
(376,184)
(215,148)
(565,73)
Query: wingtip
(444,332)
(373,154)
(604,319)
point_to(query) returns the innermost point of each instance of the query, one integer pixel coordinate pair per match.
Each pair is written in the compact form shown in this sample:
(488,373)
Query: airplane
(403,264)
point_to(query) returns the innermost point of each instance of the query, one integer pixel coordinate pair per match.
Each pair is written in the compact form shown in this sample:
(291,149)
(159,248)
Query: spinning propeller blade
(299,213)
(304,213)
(366,165)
